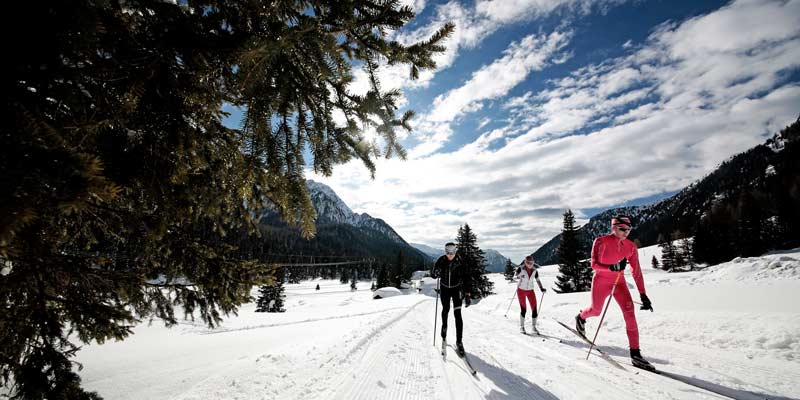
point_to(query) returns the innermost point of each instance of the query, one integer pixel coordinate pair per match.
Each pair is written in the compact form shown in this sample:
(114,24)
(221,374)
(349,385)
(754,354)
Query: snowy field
(733,327)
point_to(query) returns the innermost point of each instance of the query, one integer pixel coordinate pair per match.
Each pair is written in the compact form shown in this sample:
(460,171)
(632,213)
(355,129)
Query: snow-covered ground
(733,327)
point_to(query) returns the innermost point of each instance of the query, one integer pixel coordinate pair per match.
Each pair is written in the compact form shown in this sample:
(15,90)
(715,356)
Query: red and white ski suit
(525,289)
(606,251)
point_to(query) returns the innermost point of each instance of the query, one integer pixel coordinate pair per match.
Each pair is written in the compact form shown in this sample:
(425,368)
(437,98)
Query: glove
(646,305)
(436,290)
(620,266)
(467,299)
(543,289)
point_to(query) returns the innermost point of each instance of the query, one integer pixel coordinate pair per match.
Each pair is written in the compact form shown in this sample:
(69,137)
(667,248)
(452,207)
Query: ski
(707,386)
(466,361)
(602,353)
(469,365)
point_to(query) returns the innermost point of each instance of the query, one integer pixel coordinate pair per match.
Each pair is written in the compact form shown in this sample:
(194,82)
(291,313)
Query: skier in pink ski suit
(610,254)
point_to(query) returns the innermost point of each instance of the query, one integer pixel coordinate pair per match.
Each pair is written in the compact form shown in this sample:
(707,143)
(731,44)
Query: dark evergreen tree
(714,241)
(679,258)
(654,262)
(473,259)
(669,258)
(750,223)
(573,276)
(383,277)
(687,254)
(400,273)
(271,296)
(510,270)
(120,180)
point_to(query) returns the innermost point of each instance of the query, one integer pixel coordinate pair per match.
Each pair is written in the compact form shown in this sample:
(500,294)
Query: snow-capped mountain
(332,210)
(340,232)
(495,262)
(434,253)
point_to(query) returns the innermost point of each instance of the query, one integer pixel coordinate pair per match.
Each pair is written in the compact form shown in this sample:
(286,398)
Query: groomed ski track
(344,345)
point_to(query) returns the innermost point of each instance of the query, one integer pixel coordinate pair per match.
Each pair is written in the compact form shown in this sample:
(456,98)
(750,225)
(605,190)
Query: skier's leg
(534,312)
(521,298)
(623,297)
(601,288)
(457,315)
(445,295)
(522,309)
(531,295)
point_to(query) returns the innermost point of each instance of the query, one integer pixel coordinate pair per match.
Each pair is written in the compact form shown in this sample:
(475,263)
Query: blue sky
(541,105)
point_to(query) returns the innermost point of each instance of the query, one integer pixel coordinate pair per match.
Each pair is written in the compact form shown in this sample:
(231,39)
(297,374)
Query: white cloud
(494,80)
(677,105)
(533,52)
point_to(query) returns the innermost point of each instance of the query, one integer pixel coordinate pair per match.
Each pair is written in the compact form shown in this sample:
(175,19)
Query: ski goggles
(450,249)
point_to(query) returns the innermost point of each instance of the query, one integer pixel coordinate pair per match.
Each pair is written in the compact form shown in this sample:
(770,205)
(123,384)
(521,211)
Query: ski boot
(639,361)
(533,327)
(580,325)
(460,349)
(522,324)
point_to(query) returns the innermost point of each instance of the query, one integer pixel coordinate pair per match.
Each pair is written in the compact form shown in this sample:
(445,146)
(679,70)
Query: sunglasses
(624,229)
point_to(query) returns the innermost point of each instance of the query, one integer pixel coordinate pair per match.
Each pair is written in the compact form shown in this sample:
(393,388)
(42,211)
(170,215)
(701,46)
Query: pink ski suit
(606,251)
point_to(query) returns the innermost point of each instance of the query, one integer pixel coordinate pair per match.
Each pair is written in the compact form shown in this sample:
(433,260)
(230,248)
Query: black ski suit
(453,283)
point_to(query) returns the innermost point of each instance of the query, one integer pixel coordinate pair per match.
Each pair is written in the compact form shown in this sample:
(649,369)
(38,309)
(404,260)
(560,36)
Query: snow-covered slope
(732,328)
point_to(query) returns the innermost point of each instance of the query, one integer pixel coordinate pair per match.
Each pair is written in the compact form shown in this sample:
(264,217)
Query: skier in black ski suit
(453,284)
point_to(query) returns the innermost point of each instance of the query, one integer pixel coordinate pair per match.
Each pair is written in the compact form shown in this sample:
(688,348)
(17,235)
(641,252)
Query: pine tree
(510,271)
(574,275)
(679,258)
(398,273)
(121,181)
(473,259)
(383,277)
(669,256)
(654,262)
(687,254)
(271,296)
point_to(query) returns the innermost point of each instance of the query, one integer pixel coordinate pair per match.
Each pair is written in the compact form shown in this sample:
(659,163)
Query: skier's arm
(435,269)
(597,252)
(636,269)
(516,274)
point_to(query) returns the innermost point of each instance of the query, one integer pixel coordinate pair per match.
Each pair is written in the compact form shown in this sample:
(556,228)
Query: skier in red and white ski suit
(527,274)
(610,253)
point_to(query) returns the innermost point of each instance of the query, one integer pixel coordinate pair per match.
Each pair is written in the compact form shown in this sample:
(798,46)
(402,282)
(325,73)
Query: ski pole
(604,313)
(436,311)
(539,311)
(509,303)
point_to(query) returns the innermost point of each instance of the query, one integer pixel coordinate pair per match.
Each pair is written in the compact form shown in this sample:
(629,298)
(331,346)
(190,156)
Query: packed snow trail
(720,329)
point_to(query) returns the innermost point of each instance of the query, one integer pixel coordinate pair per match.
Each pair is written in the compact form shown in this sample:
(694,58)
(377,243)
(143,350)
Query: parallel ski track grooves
(305,321)
(406,382)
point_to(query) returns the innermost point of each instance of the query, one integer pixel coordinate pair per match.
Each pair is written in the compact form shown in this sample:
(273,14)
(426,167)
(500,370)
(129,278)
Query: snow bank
(784,265)
(385,292)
